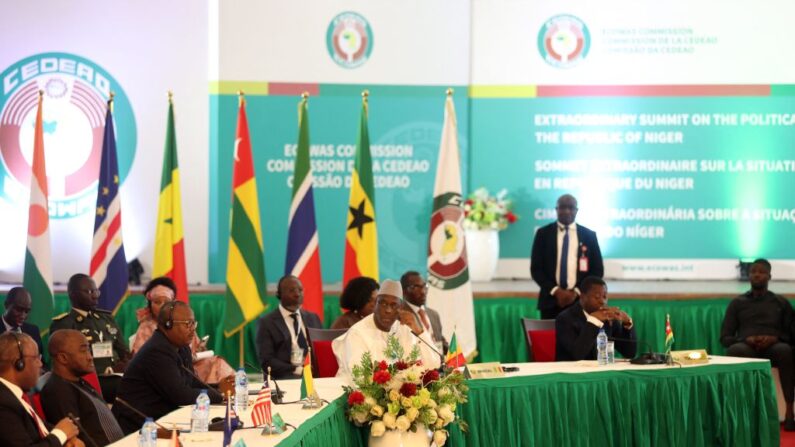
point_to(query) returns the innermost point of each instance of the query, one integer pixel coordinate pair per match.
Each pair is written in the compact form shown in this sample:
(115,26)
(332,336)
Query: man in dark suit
(18,306)
(415,294)
(576,327)
(67,393)
(160,377)
(20,365)
(563,254)
(281,334)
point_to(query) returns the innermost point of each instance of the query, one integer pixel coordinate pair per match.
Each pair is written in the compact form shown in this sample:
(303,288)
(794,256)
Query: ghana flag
(361,236)
(245,268)
(169,242)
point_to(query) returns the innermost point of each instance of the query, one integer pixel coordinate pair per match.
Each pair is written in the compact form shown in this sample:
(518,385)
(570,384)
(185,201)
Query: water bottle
(241,391)
(148,435)
(601,347)
(200,417)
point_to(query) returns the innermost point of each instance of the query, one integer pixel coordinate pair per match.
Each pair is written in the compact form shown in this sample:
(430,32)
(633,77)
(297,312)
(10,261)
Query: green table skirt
(696,323)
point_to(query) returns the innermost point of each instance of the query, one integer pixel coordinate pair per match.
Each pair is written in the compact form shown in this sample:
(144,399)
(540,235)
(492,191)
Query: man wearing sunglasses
(160,378)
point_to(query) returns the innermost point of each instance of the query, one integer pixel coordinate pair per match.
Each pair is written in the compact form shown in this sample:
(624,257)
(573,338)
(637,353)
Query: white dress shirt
(17,392)
(571,261)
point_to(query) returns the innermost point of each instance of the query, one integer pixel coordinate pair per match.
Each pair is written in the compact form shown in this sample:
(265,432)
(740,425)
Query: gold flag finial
(241,97)
(110,101)
(449,92)
(305,95)
(41,93)
(365,94)
(170,96)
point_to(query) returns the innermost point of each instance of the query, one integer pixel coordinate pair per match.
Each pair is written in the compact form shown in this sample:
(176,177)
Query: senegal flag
(455,357)
(38,259)
(361,237)
(169,242)
(245,268)
(307,385)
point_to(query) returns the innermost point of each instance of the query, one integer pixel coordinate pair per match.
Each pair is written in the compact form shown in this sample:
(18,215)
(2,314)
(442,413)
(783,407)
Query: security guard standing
(108,345)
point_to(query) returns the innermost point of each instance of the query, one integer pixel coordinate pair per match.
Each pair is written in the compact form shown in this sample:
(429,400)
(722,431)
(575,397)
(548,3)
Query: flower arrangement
(401,394)
(482,211)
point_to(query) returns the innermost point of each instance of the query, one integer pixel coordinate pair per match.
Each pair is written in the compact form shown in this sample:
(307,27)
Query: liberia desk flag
(37,278)
(361,236)
(261,411)
(169,240)
(108,264)
(303,246)
(450,291)
(245,268)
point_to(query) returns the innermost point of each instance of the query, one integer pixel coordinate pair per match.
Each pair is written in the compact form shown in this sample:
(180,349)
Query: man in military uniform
(108,344)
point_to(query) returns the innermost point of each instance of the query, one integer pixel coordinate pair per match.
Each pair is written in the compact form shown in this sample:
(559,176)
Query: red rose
(511,217)
(408,389)
(431,375)
(468,202)
(382,365)
(381,377)
(401,365)
(355,398)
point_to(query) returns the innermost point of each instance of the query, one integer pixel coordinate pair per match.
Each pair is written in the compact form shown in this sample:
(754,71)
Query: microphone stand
(76,421)
(278,396)
(433,348)
(650,358)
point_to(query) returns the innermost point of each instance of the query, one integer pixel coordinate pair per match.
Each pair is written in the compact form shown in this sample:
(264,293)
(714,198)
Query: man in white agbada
(371,333)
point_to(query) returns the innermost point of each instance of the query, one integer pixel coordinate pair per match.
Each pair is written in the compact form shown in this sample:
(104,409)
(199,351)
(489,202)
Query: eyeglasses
(190,324)
(418,286)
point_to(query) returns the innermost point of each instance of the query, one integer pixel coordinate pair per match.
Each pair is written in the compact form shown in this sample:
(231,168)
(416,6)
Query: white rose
(377,411)
(447,414)
(389,420)
(377,429)
(439,423)
(431,404)
(441,393)
(369,401)
(394,395)
(403,423)
(430,415)
(439,437)
(360,417)
(412,413)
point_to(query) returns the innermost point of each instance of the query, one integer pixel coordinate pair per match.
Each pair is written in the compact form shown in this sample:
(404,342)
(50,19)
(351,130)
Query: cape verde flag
(108,263)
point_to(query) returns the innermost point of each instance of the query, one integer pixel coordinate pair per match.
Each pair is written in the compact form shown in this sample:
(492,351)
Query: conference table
(730,401)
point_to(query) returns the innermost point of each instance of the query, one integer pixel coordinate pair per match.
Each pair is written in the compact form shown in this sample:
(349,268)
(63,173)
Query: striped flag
(455,357)
(361,236)
(169,241)
(108,264)
(303,248)
(37,278)
(307,382)
(245,268)
(669,334)
(261,411)
(450,291)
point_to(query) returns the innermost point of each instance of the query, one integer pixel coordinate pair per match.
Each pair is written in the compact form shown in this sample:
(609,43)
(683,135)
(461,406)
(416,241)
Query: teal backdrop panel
(405,126)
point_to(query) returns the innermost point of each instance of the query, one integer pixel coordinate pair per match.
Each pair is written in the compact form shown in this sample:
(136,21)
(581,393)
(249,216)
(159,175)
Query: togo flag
(361,236)
(169,242)
(38,259)
(245,268)
(450,290)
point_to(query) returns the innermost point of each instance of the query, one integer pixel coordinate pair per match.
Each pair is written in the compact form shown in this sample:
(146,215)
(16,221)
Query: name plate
(489,370)
(691,357)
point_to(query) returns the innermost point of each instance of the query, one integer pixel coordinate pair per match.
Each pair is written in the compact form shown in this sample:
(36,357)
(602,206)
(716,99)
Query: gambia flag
(169,241)
(38,259)
(455,357)
(307,385)
(245,268)
(669,334)
(303,246)
(361,236)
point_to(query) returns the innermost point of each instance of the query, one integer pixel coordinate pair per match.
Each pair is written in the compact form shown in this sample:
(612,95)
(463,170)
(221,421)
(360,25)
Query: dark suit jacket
(274,343)
(436,324)
(59,398)
(19,429)
(156,384)
(575,337)
(33,331)
(545,255)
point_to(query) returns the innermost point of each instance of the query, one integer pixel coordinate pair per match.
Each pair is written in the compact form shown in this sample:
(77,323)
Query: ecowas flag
(245,268)
(450,290)
(169,240)
(38,258)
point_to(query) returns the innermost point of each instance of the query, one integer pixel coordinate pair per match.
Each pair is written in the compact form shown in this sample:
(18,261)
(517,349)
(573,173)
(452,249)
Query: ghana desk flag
(303,246)
(450,290)
(245,268)
(169,241)
(38,259)
(361,236)
(108,263)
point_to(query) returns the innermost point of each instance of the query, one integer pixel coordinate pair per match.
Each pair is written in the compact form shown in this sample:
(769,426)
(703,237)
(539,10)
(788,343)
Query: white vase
(396,438)
(483,252)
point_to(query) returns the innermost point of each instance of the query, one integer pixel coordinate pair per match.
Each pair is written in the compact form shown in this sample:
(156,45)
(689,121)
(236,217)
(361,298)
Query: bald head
(70,353)
(61,339)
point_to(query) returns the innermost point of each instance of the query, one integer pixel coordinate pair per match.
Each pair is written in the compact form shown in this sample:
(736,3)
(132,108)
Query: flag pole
(242,348)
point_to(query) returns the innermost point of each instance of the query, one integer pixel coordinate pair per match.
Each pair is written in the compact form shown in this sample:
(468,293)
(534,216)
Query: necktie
(108,422)
(300,335)
(564,259)
(424,319)
(43,432)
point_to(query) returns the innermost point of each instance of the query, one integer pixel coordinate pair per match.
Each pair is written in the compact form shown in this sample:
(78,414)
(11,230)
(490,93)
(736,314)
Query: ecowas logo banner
(564,41)
(349,39)
(75,102)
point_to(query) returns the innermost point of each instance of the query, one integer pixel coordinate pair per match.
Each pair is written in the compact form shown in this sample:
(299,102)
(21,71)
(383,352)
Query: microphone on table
(433,348)
(193,374)
(277,397)
(648,358)
(76,421)
(124,403)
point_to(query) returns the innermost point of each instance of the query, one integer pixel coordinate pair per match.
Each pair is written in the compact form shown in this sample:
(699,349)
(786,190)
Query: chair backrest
(93,380)
(324,363)
(540,338)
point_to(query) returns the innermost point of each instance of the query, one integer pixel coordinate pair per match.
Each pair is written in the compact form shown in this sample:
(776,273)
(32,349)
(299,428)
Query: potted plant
(484,216)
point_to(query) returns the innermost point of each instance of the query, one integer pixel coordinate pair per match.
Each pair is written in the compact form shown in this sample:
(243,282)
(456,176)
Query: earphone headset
(170,322)
(19,364)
